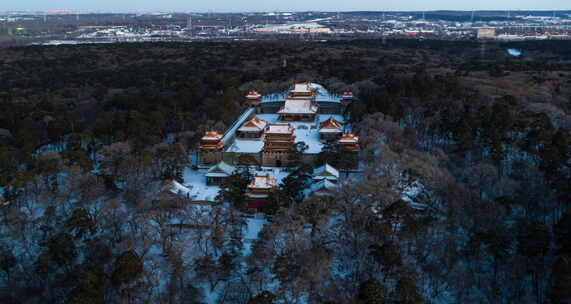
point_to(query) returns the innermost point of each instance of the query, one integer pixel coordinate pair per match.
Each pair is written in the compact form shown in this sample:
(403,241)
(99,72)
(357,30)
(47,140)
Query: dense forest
(90,134)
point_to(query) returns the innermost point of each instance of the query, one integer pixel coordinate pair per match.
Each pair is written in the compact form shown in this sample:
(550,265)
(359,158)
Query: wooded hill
(90,132)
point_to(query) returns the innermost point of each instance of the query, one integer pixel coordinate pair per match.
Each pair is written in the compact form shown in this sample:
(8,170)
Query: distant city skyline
(290,5)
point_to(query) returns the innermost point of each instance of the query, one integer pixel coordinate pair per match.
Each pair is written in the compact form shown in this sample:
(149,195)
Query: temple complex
(272,125)
(273,132)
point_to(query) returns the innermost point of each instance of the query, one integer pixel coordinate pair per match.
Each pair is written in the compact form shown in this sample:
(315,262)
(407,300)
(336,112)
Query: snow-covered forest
(463,197)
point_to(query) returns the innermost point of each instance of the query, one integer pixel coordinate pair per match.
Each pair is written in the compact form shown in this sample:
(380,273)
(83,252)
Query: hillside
(461,195)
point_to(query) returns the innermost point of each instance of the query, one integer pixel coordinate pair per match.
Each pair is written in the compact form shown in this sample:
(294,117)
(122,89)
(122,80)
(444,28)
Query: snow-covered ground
(514,52)
(324,95)
(293,27)
(251,231)
(194,186)
(411,192)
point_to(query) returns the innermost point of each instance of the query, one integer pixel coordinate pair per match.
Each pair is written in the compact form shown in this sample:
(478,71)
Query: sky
(283,5)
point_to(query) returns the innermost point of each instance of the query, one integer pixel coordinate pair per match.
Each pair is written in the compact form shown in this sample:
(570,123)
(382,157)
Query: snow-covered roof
(323,187)
(330,131)
(302,87)
(348,138)
(253,195)
(326,172)
(298,106)
(255,124)
(331,125)
(177,188)
(246,146)
(316,86)
(212,136)
(263,182)
(320,94)
(254,95)
(279,129)
(221,169)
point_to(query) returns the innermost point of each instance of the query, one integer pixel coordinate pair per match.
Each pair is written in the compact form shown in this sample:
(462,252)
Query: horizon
(73,11)
(252,6)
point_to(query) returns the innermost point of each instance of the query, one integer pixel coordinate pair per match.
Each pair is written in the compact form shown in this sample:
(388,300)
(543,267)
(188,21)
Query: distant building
(560,37)
(507,37)
(486,33)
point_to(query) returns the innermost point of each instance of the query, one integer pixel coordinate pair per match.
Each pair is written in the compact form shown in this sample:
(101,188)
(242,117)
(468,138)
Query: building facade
(211,148)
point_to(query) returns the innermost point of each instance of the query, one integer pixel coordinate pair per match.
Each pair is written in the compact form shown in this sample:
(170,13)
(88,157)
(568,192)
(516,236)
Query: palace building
(347,98)
(211,148)
(326,172)
(303,90)
(253,99)
(330,129)
(254,128)
(348,142)
(218,174)
(300,105)
(259,190)
(298,110)
(278,144)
